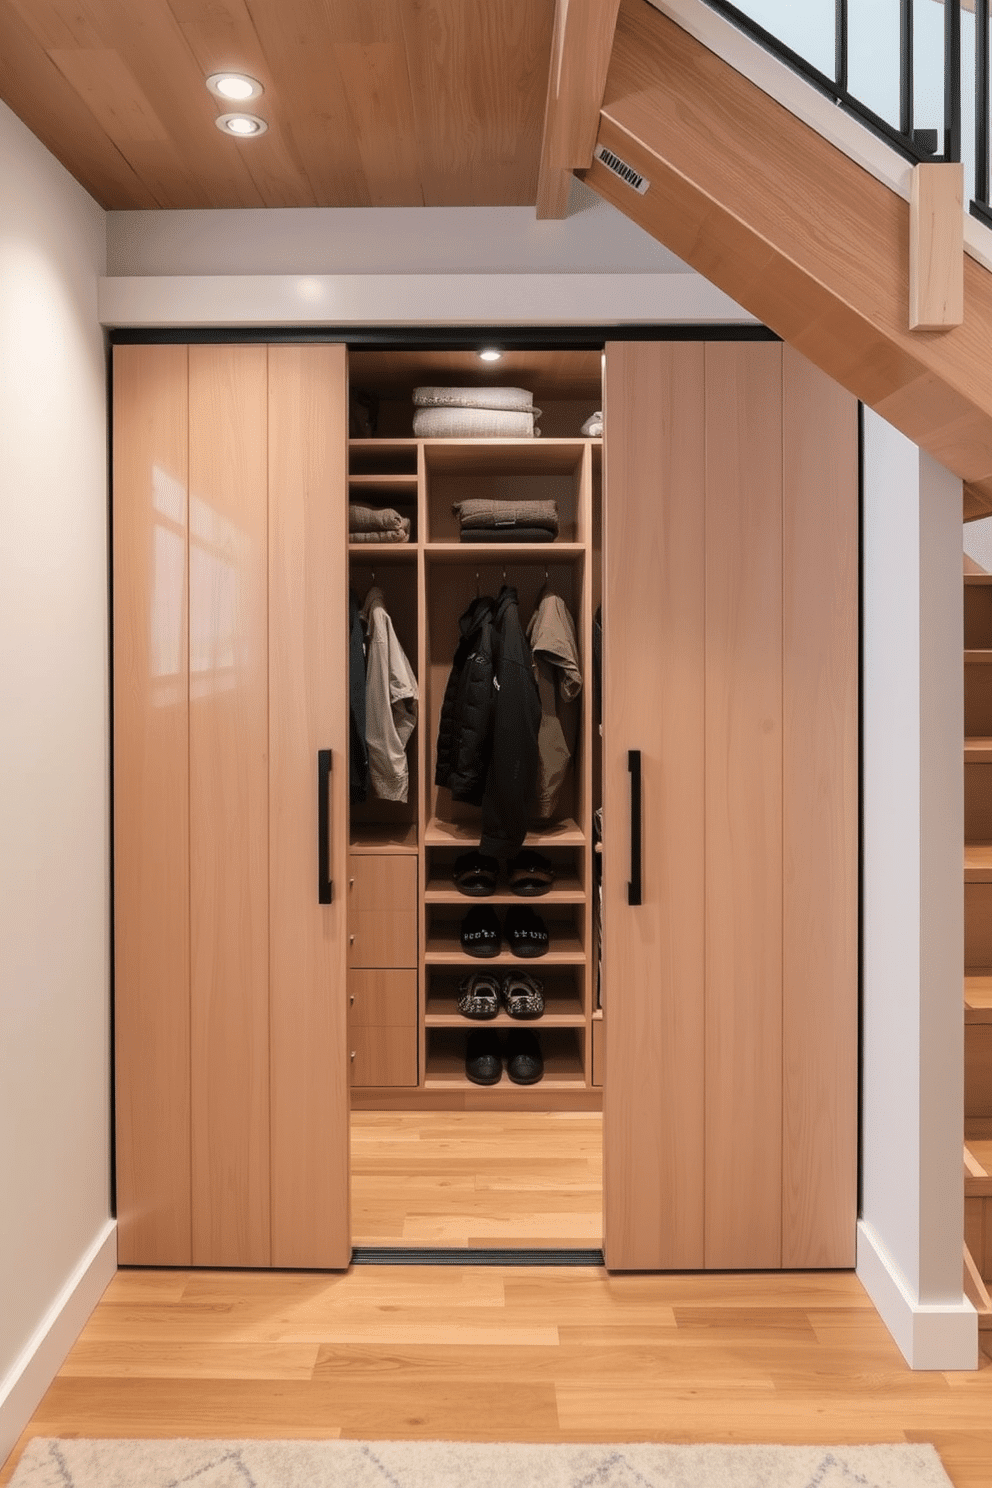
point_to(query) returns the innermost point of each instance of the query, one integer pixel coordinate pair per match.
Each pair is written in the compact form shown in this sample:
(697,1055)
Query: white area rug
(349,1464)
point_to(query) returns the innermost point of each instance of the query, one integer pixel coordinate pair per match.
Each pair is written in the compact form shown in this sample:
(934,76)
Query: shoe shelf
(561,1049)
(562,1006)
(564,890)
(465,834)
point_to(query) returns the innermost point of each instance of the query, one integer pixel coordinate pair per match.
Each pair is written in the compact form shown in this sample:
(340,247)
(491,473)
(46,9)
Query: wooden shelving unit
(432,579)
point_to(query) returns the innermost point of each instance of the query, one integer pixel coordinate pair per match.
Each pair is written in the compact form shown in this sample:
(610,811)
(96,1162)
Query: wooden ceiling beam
(580,58)
(797,233)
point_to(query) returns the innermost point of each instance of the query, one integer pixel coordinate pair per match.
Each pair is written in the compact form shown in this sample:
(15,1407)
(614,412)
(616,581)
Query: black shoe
(523,995)
(483,1059)
(478,995)
(526,933)
(524,1064)
(530,873)
(475,874)
(480,932)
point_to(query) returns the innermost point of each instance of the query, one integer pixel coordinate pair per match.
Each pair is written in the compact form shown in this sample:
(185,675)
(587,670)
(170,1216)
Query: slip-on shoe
(524,1063)
(483,1058)
(526,933)
(480,935)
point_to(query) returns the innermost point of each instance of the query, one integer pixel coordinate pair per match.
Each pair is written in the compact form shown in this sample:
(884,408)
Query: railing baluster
(982,101)
(952,80)
(840,44)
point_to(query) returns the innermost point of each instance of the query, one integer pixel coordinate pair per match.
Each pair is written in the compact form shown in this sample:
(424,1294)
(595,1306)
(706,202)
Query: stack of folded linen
(474,413)
(484,521)
(368,524)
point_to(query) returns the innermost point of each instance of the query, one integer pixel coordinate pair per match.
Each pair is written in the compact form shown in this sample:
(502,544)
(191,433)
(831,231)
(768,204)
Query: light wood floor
(480,1178)
(508,1353)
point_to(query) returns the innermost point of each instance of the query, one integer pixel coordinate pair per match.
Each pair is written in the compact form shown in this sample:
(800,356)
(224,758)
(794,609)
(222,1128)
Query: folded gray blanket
(480,512)
(382,537)
(377,519)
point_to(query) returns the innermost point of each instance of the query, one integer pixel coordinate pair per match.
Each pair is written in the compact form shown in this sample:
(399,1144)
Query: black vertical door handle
(634,886)
(325,888)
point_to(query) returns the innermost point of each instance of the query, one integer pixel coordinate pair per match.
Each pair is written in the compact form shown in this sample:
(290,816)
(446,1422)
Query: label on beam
(622,169)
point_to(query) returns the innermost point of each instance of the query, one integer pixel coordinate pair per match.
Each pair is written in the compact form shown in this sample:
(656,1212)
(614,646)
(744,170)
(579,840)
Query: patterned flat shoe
(523,995)
(478,996)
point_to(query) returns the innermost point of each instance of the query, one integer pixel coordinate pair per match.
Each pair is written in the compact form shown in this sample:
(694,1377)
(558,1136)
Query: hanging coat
(358,758)
(513,764)
(464,736)
(391,696)
(555,647)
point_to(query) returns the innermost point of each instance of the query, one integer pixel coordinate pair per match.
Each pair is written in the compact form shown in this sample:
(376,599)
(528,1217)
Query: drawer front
(383,1056)
(383,998)
(598,1051)
(382,910)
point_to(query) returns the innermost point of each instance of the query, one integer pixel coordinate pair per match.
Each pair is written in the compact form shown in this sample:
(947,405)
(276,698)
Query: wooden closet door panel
(743,805)
(820,819)
(653,617)
(228,805)
(308,697)
(151,845)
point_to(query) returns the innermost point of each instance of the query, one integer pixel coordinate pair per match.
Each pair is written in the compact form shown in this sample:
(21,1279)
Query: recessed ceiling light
(241,125)
(490,355)
(236,87)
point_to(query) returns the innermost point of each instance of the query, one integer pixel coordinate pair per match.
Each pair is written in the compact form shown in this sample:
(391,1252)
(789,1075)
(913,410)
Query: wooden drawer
(382,910)
(382,999)
(383,1056)
(598,1051)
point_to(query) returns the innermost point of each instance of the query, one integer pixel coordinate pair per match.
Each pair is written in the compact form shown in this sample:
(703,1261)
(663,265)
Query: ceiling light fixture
(236,87)
(490,355)
(241,125)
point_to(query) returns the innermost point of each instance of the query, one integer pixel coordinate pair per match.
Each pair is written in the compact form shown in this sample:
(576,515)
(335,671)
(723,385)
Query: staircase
(978,937)
(797,233)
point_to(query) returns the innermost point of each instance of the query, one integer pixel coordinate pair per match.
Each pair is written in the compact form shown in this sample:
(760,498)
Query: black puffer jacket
(513,761)
(464,738)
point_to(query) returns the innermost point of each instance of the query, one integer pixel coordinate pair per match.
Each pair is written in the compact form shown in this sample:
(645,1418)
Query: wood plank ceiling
(368,102)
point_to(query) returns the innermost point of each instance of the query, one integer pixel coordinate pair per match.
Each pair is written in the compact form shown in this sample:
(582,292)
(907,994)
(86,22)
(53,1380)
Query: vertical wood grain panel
(229,805)
(151,856)
(743,804)
(308,710)
(820,819)
(653,691)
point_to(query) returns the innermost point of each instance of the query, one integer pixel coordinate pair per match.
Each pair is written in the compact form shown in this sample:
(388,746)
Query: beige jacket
(391,698)
(555,647)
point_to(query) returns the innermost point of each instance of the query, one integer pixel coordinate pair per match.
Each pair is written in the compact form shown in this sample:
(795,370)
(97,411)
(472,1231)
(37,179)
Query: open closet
(291,928)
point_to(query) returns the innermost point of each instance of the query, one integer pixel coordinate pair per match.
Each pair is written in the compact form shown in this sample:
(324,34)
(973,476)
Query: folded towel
(474,423)
(394,536)
(506,535)
(482,512)
(516,399)
(376,519)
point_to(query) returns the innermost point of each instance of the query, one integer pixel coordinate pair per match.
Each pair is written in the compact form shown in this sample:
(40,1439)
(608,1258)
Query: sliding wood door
(230,683)
(730,808)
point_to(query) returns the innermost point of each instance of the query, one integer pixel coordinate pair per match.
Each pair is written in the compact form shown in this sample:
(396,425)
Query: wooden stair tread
(977,751)
(978,1169)
(978,862)
(978,998)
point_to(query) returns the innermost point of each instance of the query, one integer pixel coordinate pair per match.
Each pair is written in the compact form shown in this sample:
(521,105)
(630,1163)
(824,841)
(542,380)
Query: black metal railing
(914,143)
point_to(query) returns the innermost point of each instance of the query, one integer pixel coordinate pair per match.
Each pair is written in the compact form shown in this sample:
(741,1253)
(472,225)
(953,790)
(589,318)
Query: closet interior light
(242,125)
(235,87)
(490,354)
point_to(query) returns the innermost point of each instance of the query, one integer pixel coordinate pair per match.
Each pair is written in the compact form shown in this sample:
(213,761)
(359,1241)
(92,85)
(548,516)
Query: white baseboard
(942,1335)
(43,1355)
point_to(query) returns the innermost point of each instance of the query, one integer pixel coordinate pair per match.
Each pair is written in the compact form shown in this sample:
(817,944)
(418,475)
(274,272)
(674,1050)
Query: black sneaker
(524,1064)
(526,933)
(480,932)
(483,1058)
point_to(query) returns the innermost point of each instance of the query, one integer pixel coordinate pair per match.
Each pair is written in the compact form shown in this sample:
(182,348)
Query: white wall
(912,1225)
(56,1245)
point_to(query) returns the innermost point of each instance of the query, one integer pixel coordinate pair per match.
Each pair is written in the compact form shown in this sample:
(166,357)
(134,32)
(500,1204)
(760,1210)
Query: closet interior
(408,1039)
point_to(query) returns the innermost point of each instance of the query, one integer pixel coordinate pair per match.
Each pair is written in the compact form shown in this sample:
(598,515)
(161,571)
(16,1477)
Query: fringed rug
(64,1463)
